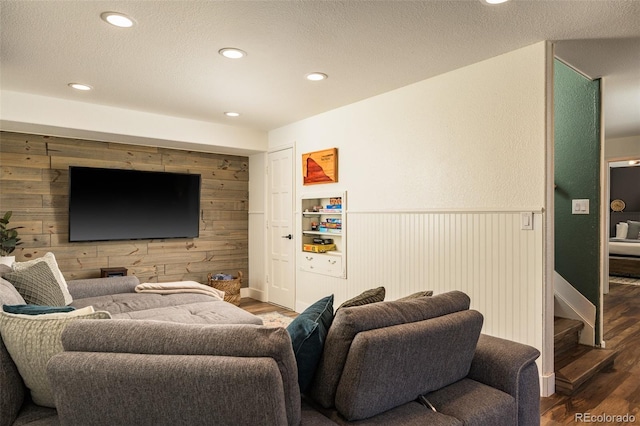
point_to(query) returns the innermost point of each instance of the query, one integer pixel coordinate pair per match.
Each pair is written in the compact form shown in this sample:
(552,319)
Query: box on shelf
(318,248)
(323,240)
(330,230)
(330,225)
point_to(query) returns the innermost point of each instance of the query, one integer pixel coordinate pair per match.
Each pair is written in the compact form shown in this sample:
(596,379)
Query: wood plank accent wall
(34,179)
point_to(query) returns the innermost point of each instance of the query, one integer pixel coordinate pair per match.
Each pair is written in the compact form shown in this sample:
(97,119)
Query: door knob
(288,236)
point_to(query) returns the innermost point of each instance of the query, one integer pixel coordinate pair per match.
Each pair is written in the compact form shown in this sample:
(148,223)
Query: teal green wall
(577,176)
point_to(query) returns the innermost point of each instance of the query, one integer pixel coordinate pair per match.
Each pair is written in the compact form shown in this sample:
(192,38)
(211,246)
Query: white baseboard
(253,293)
(547,385)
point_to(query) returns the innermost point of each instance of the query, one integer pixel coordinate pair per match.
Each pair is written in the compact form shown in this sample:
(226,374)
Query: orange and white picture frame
(320,167)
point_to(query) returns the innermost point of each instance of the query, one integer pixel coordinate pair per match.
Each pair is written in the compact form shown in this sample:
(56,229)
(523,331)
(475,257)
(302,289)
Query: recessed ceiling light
(316,76)
(232,53)
(80,86)
(232,114)
(117,19)
(494,1)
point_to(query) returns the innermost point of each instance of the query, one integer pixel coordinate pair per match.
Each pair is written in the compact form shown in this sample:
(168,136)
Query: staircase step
(566,337)
(570,377)
(563,358)
(562,327)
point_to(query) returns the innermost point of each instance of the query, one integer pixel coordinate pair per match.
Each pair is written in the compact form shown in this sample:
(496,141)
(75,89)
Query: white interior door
(280,235)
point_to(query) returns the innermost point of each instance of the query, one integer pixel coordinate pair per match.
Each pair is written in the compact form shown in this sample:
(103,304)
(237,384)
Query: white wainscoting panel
(484,254)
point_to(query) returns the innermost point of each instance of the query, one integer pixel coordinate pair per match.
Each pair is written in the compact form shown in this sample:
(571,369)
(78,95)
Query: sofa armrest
(93,287)
(94,388)
(510,367)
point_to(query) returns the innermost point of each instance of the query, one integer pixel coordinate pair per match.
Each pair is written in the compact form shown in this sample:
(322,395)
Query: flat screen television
(114,204)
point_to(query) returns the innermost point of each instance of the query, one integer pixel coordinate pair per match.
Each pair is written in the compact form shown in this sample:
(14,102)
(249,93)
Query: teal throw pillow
(36,309)
(308,332)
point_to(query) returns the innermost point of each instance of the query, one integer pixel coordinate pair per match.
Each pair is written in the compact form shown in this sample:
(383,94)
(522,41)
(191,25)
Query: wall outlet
(580,206)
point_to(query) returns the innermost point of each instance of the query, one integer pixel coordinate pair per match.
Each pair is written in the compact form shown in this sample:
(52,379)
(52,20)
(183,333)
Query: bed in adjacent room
(624,248)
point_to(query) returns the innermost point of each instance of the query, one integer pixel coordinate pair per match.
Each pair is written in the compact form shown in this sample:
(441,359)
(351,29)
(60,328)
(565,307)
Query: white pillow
(9,295)
(621,230)
(32,340)
(50,260)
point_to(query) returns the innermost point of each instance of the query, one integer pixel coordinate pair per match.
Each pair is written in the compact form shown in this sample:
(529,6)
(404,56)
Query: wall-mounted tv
(114,204)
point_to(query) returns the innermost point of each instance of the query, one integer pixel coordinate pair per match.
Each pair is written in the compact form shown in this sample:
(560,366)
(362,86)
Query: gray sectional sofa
(117,296)
(415,362)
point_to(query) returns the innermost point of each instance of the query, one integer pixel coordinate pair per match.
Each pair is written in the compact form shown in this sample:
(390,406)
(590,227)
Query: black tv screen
(113,204)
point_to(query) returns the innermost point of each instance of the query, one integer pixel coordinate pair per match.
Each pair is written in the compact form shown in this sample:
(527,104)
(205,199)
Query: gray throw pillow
(418,294)
(50,260)
(634,230)
(369,296)
(37,285)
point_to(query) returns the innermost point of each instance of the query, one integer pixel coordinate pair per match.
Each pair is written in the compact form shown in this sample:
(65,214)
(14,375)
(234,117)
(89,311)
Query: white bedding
(626,248)
(179,287)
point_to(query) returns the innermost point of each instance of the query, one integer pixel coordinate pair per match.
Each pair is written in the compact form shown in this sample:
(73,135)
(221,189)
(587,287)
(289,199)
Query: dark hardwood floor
(615,391)
(256,307)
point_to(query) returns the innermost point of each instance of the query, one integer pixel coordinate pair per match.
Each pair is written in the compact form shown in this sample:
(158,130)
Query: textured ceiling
(168,63)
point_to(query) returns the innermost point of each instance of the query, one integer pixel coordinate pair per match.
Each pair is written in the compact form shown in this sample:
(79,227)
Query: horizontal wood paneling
(34,181)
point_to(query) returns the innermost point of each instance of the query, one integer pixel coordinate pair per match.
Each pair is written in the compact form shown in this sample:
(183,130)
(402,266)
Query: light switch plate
(526,221)
(580,206)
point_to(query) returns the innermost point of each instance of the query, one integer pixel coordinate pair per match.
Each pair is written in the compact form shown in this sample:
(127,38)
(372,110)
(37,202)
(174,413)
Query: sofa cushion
(33,340)
(9,295)
(390,366)
(123,336)
(349,322)
(93,287)
(50,260)
(12,388)
(308,332)
(122,303)
(37,285)
(475,404)
(208,312)
(36,415)
(369,296)
(157,389)
(409,414)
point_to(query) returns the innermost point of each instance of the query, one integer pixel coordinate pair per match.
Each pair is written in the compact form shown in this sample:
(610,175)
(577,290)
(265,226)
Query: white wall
(622,148)
(27,113)
(257,221)
(436,175)
(472,139)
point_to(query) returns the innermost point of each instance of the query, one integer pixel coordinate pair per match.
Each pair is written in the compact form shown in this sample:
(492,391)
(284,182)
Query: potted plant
(8,240)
